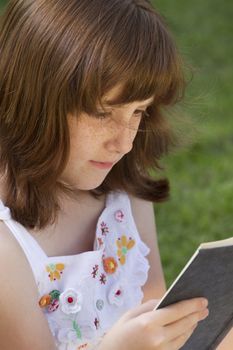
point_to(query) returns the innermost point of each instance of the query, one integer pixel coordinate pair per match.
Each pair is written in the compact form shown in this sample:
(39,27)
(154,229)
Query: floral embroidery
(100,242)
(123,246)
(72,333)
(95,271)
(119,215)
(71,301)
(55,271)
(83,346)
(104,228)
(103,278)
(96,323)
(77,329)
(116,293)
(110,265)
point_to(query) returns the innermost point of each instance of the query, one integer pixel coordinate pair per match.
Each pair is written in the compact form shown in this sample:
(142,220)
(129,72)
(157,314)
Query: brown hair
(60,57)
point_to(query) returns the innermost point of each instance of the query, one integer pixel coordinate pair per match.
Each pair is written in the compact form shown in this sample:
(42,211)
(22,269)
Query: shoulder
(19,300)
(139,203)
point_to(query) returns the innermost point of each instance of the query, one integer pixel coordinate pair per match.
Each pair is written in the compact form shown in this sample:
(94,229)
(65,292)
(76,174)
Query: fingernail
(204,302)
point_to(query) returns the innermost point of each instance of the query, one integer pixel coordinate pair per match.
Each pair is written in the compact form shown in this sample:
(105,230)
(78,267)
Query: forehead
(111,96)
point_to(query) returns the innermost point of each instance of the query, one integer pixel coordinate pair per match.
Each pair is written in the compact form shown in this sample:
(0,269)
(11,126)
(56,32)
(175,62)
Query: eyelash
(104,115)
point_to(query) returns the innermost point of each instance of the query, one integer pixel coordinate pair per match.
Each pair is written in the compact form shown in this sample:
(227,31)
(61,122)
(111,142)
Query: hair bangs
(135,51)
(142,58)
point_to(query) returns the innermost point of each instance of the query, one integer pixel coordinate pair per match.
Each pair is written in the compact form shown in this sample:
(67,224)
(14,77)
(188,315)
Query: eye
(141,113)
(102,115)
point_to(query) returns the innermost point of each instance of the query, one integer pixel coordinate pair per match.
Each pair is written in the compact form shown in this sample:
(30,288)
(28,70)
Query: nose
(121,141)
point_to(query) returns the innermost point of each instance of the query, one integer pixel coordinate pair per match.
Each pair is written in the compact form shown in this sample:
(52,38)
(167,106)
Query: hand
(165,329)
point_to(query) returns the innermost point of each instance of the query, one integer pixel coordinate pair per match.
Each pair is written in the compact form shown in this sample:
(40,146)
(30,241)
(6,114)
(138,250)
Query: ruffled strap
(142,263)
(120,204)
(4,212)
(29,245)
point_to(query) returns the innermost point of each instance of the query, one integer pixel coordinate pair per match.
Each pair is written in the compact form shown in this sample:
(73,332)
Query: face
(99,141)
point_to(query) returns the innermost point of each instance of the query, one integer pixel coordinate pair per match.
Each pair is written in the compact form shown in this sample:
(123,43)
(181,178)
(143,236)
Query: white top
(85,294)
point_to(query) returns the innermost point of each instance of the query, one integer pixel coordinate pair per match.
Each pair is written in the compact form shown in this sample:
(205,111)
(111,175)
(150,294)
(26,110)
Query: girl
(82,87)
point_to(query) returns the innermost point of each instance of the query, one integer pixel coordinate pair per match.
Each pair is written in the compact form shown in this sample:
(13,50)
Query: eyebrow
(146,105)
(112,103)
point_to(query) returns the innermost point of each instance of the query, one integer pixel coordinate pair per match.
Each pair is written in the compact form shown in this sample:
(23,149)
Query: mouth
(102,165)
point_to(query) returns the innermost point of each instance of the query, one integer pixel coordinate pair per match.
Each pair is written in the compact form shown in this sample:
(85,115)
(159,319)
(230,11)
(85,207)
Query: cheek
(133,130)
(84,142)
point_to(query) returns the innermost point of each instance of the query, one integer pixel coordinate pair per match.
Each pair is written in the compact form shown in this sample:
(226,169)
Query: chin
(88,186)
(85,182)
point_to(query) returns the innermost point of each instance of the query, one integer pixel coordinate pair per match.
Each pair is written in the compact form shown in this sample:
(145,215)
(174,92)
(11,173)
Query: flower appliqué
(119,215)
(100,304)
(50,301)
(55,271)
(53,306)
(124,245)
(71,301)
(110,265)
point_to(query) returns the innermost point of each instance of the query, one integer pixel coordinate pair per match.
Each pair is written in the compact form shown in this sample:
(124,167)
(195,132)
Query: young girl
(83,84)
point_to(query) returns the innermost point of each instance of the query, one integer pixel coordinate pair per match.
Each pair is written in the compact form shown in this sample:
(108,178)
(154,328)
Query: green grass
(201,175)
(3,3)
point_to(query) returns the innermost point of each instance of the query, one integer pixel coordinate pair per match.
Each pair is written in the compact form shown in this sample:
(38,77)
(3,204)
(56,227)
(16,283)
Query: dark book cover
(208,274)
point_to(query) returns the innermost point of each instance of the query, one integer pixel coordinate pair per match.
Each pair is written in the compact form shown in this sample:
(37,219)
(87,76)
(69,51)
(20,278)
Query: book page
(216,244)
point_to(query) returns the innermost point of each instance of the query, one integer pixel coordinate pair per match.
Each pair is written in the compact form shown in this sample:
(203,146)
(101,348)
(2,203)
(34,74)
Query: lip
(102,165)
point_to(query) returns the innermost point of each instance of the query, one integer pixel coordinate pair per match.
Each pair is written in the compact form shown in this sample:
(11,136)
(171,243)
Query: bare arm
(227,342)
(143,213)
(22,323)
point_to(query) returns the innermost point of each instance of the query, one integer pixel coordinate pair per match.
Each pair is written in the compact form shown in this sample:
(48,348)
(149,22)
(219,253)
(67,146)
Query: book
(209,274)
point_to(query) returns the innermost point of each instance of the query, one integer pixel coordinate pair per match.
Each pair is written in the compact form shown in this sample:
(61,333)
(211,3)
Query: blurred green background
(201,174)
(2,3)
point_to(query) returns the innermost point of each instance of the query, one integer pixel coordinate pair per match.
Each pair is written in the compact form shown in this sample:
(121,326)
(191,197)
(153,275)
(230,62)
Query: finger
(179,310)
(142,308)
(174,330)
(181,340)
